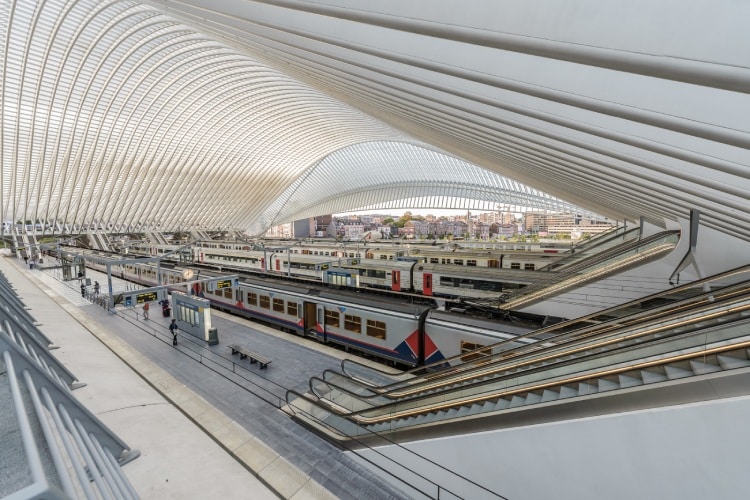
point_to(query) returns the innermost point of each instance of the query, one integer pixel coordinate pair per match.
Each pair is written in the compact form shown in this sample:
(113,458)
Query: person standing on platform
(83,289)
(145,310)
(173,329)
(96,288)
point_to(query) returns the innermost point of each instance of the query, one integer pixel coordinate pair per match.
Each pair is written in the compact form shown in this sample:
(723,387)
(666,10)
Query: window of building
(376,329)
(353,323)
(278,305)
(252,299)
(265,302)
(332,318)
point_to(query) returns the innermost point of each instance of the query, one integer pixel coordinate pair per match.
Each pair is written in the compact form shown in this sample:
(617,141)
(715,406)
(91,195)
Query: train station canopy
(244,114)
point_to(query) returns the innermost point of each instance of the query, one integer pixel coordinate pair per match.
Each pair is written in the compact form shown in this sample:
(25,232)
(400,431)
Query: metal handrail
(78,446)
(739,280)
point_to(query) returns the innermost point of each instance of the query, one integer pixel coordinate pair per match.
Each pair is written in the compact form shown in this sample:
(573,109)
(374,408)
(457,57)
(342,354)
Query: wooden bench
(254,357)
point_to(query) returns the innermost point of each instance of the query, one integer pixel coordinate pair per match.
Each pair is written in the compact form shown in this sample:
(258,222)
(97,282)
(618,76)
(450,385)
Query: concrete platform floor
(201,434)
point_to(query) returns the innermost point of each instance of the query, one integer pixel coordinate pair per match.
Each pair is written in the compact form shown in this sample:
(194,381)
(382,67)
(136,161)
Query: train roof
(505,326)
(399,303)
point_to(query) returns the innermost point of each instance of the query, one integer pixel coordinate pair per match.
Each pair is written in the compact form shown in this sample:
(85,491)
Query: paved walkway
(254,450)
(178,459)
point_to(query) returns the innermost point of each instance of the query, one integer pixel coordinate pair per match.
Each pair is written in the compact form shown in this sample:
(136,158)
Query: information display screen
(223,284)
(145,297)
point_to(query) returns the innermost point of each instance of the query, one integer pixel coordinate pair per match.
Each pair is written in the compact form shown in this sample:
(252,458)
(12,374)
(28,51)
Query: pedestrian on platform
(83,289)
(96,288)
(173,329)
(145,310)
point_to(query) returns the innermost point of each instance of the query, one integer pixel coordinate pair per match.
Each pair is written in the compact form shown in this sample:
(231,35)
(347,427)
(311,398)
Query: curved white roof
(243,114)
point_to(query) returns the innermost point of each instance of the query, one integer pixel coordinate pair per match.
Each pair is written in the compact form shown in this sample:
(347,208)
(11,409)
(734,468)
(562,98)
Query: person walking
(96,288)
(145,310)
(83,290)
(173,329)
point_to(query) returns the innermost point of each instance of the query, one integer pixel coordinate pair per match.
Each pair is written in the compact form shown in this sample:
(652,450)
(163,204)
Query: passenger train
(405,331)
(430,271)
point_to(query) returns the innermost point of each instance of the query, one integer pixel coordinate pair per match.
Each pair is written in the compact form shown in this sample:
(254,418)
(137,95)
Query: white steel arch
(168,114)
(118,114)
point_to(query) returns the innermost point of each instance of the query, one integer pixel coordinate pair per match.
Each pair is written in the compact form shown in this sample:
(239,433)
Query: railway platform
(207,425)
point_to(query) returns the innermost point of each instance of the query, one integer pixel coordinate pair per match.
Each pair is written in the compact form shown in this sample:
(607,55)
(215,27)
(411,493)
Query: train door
(278,264)
(427,284)
(313,319)
(396,281)
(263,264)
(492,263)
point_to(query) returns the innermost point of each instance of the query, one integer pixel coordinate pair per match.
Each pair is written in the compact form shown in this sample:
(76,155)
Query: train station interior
(147,146)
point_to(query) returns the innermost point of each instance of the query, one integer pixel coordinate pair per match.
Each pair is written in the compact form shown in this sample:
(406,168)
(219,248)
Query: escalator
(705,333)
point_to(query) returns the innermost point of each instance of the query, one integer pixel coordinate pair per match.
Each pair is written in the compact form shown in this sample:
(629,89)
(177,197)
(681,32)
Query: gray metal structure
(67,452)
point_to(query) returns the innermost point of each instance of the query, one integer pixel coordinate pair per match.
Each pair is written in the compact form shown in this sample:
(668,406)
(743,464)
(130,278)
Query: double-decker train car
(431,279)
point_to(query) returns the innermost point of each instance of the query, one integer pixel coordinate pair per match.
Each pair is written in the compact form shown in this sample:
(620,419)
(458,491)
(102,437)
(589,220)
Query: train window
(383,257)
(292,309)
(529,266)
(353,323)
(469,347)
(458,262)
(252,298)
(228,293)
(471,262)
(445,261)
(448,281)
(332,318)
(515,265)
(376,329)
(265,302)
(434,260)
(278,305)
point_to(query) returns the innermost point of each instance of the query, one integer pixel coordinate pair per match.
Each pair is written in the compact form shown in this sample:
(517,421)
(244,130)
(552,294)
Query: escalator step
(651,377)
(628,381)
(729,362)
(607,385)
(550,395)
(700,367)
(585,388)
(674,372)
(533,397)
(568,392)
(517,401)
(502,404)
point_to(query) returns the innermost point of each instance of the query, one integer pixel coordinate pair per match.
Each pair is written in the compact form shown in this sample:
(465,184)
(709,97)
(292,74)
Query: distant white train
(424,269)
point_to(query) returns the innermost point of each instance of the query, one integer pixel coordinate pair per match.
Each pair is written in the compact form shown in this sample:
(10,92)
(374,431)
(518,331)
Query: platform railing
(63,450)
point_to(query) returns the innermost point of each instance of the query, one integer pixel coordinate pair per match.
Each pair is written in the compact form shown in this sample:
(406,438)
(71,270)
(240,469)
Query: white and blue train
(408,331)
